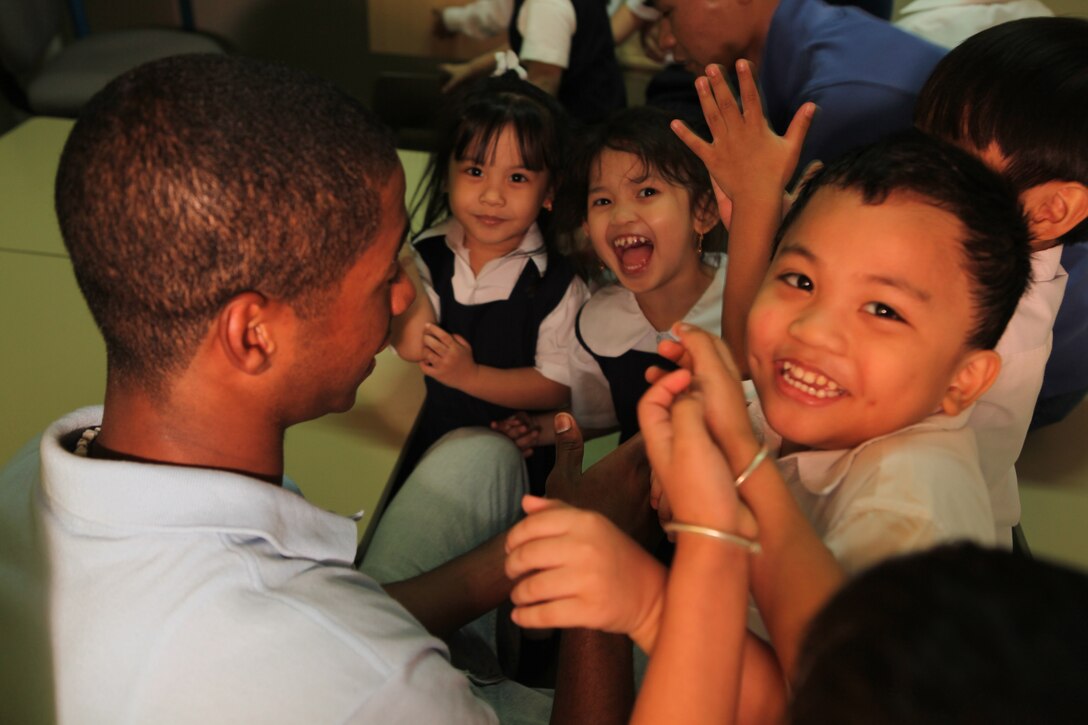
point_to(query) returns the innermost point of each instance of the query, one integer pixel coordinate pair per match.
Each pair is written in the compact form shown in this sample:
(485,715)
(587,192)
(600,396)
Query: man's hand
(617,486)
(447,358)
(576,569)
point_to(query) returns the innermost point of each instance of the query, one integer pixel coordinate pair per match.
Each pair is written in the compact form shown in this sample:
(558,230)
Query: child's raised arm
(406,333)
(750,166)
(795,573)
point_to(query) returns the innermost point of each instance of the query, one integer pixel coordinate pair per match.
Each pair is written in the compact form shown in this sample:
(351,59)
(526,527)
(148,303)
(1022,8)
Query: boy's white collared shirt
(1001,417)
(495,282)
(906,491)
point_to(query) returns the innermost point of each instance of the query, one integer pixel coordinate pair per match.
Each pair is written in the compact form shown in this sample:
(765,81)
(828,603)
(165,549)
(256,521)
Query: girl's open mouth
(634,252)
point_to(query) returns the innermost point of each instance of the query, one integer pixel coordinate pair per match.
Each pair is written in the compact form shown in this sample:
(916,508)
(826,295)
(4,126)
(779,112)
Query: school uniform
(575,35)
(615,346)
(1001,416)
(518,312)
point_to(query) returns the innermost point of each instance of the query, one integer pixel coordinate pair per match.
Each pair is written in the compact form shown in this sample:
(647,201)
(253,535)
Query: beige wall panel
(403,27)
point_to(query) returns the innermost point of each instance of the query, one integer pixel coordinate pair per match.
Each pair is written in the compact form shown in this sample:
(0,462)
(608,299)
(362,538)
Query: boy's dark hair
(996,253)
(959,634)
(645,133)
(195,178)
(471,124)
(1024,86)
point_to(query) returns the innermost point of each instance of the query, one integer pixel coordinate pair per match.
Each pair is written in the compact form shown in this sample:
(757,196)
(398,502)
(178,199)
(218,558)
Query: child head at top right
(500,149)
(1016,96)
(894,275)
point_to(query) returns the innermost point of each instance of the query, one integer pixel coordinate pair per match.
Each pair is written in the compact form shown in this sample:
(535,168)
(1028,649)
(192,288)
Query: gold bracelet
(753,547)
(761,455)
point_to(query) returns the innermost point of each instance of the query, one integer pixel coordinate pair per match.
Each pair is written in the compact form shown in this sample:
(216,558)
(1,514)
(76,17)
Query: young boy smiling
(872,336)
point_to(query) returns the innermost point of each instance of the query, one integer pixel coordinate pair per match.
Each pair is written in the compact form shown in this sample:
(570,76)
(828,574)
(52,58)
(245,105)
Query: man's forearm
(595,678)
(452,595)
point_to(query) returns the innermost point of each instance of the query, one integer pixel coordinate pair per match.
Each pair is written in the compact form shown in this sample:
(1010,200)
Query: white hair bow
(506,61)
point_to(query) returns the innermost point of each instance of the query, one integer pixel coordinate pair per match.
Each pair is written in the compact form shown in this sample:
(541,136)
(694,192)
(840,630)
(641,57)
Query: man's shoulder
(327,648)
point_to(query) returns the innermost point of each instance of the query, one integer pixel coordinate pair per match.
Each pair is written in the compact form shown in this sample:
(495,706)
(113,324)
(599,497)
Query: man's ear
(1054,208)
(977,372)
(247,333)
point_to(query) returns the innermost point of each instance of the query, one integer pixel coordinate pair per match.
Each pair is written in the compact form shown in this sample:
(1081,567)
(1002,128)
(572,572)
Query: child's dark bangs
(477,139)
(655,158)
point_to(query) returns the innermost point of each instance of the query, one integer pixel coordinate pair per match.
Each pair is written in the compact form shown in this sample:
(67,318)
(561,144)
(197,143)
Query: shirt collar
(820,471)
(531,245)
(122,496)
(1045,264)
(614,322)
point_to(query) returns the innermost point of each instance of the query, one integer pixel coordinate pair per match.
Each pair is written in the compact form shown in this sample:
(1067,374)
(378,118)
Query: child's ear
(1054,208)
(976,374)
(706,215)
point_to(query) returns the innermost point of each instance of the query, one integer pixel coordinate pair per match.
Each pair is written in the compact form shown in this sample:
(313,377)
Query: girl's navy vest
(592,86)
(626,376)
(503,334)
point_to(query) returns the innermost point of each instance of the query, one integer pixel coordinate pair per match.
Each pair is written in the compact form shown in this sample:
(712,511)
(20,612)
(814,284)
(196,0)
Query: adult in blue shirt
(863,73)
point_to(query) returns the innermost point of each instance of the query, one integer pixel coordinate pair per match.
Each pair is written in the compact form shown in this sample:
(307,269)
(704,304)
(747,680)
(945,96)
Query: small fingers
(749,93)
(564,614)
(692,140)
(724,102)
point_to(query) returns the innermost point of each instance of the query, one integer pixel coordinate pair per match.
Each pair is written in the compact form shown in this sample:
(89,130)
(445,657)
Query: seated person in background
(862,72)
(565,46)
(1016,96)
(234,228)
(950,22)
(493,332)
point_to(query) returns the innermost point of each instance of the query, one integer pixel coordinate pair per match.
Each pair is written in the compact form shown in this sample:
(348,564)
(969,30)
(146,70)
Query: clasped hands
(576,568)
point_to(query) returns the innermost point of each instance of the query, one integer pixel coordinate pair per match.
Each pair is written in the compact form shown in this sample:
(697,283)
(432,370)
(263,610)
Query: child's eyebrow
(901,284)
(898,283)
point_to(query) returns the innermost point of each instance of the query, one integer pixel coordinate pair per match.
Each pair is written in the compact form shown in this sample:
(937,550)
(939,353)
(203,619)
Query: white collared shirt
(497,280)
(905,491)
(950,22)
(1001,417)
(612,324)
(183,594)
